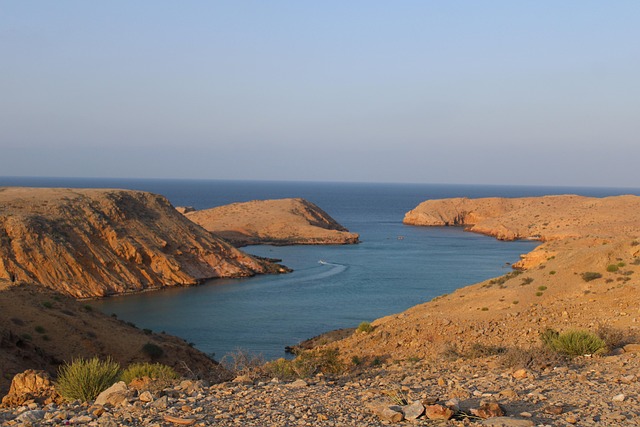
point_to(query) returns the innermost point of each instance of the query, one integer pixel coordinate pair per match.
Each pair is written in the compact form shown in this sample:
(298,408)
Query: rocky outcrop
(94,242)
(34,386)
(273,222)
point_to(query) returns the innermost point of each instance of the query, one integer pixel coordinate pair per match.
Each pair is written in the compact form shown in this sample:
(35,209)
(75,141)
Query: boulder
(383,411)
(413,411)
(438,412)
(632,348)
(488,410)
(114,395)
(31,385)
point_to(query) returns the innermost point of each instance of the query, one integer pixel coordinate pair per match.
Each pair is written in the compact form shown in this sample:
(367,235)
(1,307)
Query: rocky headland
(273,222)
(93,243)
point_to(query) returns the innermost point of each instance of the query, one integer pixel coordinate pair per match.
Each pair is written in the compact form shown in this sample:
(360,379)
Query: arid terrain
(273,222)
(472,350)
(585,273)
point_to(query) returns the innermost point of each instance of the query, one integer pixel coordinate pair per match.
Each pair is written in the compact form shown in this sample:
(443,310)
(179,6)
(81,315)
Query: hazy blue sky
(521,92)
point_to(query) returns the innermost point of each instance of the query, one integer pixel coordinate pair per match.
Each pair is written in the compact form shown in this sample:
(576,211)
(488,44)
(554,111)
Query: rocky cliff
(273,222)
(94,242)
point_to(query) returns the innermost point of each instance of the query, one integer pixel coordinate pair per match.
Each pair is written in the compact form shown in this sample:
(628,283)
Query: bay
(395,267)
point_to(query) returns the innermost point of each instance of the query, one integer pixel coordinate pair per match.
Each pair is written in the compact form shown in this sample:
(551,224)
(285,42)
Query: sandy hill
(273,222)
(585,274)
(94,242)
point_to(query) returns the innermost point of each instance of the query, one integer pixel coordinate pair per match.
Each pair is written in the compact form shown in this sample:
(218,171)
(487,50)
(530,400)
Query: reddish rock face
(31,385)
(273,222)
(94,242)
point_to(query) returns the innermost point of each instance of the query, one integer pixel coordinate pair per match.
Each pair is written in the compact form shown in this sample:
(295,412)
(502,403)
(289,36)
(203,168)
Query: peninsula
(273,222)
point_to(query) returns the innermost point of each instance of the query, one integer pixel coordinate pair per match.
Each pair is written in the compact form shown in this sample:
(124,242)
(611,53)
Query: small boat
(400,237)
(322,262)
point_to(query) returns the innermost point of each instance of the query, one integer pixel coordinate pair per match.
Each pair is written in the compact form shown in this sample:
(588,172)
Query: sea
(394,267)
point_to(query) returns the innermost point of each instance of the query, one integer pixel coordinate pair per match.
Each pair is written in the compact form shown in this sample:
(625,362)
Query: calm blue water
(380,276)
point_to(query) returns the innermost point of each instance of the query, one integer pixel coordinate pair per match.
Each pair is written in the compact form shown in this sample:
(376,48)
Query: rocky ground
(598,391)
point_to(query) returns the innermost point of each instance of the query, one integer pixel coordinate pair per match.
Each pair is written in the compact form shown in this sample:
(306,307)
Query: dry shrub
(482,350)
(615,337)
(244,363)
(537,358)
(451,352)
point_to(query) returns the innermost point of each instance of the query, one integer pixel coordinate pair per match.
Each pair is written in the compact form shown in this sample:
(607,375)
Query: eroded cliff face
(274,222)
(95,242)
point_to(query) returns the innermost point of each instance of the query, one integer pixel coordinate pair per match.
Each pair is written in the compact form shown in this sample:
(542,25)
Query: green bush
(612,268)
(317,361)
(149,370)
(152,350)
(307,364)
(364,327)
(85,379)
(573,343)
(590,275)
(281,369)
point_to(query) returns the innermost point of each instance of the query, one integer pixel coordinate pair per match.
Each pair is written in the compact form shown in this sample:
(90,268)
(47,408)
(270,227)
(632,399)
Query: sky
(468,92)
